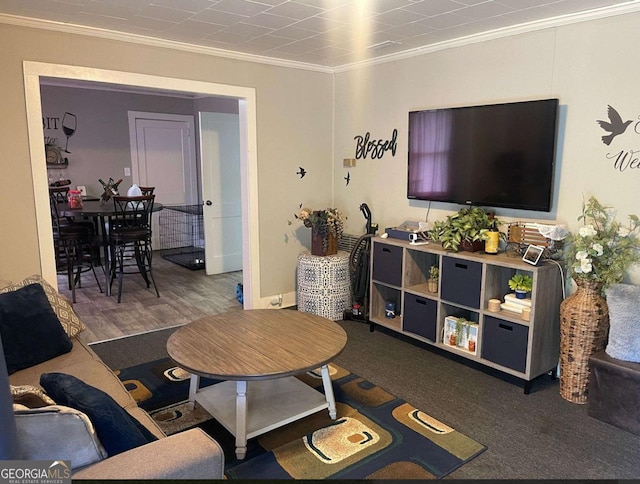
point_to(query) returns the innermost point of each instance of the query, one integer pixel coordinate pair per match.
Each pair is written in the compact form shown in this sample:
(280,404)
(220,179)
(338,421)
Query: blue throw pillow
(31,331)
(117,430)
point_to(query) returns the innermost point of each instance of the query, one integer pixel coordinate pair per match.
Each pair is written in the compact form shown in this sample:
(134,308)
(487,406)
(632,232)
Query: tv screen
(498,155)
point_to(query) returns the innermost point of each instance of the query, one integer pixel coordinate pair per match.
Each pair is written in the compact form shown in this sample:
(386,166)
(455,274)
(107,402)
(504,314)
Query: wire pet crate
(182,235)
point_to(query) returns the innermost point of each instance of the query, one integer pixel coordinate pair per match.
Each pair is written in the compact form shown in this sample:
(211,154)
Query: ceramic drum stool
(324,284)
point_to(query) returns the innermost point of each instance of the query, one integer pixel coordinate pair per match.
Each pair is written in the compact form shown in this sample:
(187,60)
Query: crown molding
(631,6)
(599,13)
(155,42)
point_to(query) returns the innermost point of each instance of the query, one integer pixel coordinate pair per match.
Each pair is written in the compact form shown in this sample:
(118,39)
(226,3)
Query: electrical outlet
(127,171)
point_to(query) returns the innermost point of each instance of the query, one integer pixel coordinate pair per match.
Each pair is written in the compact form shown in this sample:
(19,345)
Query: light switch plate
(127,171)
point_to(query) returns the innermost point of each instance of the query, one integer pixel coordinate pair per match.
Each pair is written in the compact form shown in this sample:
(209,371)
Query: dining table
(100,213)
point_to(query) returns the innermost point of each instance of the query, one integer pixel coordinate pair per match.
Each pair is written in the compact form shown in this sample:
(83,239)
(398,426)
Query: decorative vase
(584,326)
(323,244)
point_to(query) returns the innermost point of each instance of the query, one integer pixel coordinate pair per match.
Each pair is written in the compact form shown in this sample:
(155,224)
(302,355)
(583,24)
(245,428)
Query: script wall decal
(365,146)
(617,124)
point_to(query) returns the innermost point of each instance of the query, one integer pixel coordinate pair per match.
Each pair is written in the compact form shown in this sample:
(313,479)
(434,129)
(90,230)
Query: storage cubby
(387,264)
(461,281)
(416,273)
(380,296)
(420,316)
(500,339)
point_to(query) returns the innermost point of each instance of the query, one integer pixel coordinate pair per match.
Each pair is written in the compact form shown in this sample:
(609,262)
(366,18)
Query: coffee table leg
(194,384)
(328,392)
(241,419)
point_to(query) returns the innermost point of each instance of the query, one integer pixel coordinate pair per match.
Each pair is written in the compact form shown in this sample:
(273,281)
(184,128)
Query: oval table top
(256,344)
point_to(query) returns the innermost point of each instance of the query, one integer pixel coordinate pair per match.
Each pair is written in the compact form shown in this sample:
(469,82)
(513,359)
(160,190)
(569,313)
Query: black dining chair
(130,235)
(76,245)
(147,190)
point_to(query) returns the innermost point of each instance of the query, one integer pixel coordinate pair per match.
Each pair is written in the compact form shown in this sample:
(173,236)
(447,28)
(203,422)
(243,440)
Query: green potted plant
(466,229)
(521,284)
(434,276)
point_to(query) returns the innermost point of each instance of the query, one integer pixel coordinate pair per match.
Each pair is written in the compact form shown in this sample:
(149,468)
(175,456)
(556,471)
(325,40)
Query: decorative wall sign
(626,158)
(377,148)
(615,126)
(54,152)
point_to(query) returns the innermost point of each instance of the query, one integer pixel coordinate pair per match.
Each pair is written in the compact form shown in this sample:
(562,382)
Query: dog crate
(182,235)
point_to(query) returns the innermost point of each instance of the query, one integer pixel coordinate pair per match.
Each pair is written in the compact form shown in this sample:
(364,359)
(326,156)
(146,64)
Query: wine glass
(68,127)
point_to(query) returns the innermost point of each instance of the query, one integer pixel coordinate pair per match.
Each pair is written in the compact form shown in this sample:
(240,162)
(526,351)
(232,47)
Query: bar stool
(75,245)
(147,190)
(130,231)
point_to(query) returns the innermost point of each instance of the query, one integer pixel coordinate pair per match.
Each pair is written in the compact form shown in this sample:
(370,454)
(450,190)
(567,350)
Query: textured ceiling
(325,33)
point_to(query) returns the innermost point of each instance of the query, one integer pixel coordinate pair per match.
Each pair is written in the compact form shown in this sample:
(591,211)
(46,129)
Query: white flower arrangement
(603,249)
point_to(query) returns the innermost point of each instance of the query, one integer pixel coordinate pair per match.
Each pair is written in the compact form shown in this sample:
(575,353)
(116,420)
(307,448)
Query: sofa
(41,428)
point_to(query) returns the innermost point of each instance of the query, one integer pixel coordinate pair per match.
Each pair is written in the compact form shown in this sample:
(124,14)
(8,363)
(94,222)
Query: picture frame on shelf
(532,254)
(461,334)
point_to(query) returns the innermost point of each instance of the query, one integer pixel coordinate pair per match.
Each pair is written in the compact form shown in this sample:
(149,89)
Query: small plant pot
(432,285)
(520,294)
(475,246)
(452,340)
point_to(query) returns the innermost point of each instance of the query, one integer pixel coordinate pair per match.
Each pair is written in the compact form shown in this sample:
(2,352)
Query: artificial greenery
(434,272)
(466,225)
(327,221)
(603,249)
(521,282)
(462,324)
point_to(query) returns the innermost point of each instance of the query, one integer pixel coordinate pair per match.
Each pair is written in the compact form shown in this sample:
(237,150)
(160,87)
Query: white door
(222,208)
(163,156)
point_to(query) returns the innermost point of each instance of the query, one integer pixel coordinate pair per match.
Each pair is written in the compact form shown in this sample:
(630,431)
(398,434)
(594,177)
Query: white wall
(587,66)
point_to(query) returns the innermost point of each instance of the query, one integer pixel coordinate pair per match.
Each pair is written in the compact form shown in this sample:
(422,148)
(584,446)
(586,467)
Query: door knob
(209,202)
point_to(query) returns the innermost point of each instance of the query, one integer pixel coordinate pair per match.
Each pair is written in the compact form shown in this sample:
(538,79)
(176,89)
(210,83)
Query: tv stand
(498,339)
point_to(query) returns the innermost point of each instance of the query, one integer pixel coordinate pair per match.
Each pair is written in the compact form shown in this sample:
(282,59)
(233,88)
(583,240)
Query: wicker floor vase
(584,326)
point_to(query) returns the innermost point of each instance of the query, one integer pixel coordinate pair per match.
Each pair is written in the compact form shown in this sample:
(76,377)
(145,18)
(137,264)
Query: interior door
(222,208)
(163,156)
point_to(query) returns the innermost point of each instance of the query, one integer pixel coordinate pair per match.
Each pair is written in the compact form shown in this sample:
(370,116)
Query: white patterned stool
(323,284)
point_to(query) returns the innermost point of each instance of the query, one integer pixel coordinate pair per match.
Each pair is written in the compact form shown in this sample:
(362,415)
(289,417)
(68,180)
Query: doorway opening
(34,72)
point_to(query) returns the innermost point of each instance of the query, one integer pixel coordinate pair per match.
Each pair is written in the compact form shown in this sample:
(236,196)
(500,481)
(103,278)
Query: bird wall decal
(614,126)
(302,172)
(348,178)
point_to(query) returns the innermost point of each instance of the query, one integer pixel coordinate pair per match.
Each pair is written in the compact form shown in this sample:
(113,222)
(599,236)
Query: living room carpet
(376,434)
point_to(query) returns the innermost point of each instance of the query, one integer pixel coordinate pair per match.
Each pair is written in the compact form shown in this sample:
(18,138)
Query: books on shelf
(514,301)
(514,308)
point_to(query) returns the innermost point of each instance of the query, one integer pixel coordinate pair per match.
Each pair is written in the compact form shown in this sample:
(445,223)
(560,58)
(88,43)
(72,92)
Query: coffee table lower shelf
(269,404)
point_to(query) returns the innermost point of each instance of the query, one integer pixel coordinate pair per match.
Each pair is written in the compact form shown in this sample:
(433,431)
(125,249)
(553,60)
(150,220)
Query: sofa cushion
(624,318)
(60,304)
(57,432)
(117,430)
(30,396)
(31,331)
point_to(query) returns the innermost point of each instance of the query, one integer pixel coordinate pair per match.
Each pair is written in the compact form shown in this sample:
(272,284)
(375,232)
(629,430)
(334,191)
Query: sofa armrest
(191,454)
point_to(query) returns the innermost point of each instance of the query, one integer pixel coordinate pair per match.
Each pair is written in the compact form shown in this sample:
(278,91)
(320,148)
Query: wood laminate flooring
(185,295)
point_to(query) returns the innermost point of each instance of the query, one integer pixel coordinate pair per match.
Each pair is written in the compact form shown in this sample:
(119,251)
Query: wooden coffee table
(257,352)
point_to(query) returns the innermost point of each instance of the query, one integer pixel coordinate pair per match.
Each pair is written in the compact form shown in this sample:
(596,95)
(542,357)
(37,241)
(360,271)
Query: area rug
(375,436)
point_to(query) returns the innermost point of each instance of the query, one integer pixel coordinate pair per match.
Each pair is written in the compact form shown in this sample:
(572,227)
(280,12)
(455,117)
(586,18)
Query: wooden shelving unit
(468,280)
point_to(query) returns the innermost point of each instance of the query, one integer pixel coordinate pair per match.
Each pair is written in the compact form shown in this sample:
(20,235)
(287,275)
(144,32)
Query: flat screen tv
(497,155)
